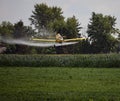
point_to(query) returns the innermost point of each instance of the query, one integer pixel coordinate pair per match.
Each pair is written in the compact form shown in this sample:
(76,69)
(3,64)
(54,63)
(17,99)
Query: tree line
(102,34)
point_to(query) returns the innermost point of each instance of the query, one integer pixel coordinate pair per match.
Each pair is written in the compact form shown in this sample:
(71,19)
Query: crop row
(96,60)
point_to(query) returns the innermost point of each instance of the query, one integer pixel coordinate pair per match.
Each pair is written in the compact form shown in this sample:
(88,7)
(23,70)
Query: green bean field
(59,84)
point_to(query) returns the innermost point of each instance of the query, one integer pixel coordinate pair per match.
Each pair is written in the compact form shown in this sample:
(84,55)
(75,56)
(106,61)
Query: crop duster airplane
(39,42)
(59,39)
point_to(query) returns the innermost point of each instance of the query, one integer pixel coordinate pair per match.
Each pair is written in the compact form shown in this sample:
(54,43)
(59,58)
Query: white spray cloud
(36,44)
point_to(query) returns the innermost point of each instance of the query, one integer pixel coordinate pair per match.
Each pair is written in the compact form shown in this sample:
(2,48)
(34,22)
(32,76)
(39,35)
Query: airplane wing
(43,40)
(74,39)
(53,40)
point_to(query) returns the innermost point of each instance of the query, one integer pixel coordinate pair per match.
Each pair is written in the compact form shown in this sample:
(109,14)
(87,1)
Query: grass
(59,84)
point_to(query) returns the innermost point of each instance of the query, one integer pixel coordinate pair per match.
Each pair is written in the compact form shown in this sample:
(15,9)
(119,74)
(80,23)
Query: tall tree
(100,30)
(6,29)
(21,31)
(73,27)
(43,15)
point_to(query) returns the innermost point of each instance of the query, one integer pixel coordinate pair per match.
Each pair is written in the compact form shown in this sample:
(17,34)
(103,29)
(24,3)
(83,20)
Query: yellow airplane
(58,39)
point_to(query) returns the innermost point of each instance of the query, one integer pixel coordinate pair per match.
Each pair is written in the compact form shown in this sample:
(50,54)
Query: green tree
(21,31)
(44,15)
(100,30)
(24,33)
(69,28)
(51,18)
(73,27)
(59,26)
(6,29)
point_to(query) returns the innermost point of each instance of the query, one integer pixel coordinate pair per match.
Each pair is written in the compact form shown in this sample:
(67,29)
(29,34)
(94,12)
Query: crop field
(78,60)
(59,84)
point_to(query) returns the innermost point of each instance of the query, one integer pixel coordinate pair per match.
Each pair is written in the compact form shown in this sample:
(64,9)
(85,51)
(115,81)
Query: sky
(16,10)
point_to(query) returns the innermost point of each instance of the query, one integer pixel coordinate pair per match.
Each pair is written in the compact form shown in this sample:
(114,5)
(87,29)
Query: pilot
(59,38)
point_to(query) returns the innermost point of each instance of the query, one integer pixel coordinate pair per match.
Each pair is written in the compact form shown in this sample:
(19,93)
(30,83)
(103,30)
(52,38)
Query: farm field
(78,60)
(59,84)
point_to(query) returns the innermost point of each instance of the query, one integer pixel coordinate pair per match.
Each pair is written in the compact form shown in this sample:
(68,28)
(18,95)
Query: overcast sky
(15,10)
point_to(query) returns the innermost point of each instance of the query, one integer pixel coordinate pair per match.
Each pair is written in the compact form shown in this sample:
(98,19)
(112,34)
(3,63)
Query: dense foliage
(100,60)
(43,15)
(100,30)
(6,29)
